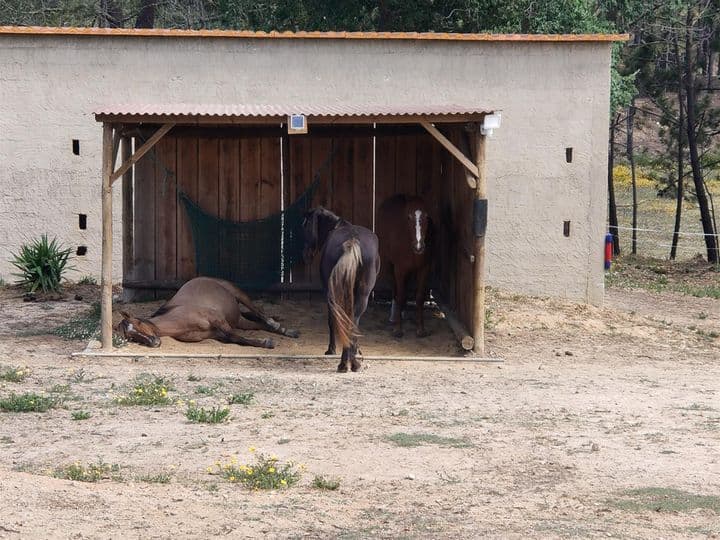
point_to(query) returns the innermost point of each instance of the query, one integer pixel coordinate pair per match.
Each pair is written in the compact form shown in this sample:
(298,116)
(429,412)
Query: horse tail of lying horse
(341,292)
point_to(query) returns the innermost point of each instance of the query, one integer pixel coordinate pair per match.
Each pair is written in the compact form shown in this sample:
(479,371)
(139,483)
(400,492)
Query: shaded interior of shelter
(246,172)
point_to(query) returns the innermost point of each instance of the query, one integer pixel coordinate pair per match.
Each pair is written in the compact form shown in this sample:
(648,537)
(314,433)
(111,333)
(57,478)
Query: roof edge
(249,34)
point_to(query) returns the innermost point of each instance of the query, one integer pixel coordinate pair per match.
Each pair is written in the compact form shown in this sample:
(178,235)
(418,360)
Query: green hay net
(251,254)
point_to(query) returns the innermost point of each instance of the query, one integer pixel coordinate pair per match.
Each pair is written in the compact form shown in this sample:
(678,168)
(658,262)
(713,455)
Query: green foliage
(14,374)
(147,390)
(80,415)
(667,500)
(87,280)
(410,440)
(265,473)
(200,415)
(92,472)
(41,264)
(28,402)
(82,327)
(241,399)
(329,484)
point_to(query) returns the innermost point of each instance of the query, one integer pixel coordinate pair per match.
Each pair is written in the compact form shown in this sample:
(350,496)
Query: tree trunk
(705,216)
(612,206)
(146,17)
(680,161)
(631,159)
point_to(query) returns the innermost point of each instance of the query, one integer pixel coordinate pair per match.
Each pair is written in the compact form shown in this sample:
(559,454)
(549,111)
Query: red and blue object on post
(608,250)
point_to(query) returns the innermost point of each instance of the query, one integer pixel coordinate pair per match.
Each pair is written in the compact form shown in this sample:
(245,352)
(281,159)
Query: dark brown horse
(349,265)
(403,225)
(204,308)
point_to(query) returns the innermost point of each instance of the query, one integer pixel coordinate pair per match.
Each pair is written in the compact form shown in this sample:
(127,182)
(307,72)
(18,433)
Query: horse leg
(393,303)
(422,275)
(331,330)
(399,302)
(361,302)
(227,334)
(250,321)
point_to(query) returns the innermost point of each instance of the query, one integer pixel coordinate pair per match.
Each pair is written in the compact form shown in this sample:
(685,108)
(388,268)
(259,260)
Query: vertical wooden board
(385,152)
(166,208)
(208,175)
(405,167)
(363,182)
(187,179)
(301,174)
(342,185)
(229,179)
(322,158)
(425,174)
(144,226)
(250,172)
(270,193)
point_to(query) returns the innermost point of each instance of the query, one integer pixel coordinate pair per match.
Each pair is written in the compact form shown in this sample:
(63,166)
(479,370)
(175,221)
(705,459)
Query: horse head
(138,330)
(317,224)
(418,224)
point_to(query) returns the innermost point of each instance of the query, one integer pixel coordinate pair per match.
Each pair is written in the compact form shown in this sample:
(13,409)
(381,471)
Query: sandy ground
(588,404)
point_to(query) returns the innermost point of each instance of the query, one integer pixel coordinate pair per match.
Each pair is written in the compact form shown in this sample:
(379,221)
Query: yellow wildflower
(283,482)
(232,478)
(271,470)
(251,449)
(209,469)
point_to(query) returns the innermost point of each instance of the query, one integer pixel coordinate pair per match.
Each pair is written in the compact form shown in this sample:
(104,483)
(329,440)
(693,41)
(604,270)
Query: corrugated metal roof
(282,111)
(436,36)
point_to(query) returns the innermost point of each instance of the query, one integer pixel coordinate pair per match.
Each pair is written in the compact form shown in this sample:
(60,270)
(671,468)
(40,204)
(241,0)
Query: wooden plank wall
(456,207)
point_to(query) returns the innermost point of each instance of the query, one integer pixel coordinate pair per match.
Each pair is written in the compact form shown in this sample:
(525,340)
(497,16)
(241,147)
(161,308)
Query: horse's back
(207,293)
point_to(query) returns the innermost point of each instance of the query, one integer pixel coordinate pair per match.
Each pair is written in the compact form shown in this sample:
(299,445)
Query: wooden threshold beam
(140,152)
(455,151)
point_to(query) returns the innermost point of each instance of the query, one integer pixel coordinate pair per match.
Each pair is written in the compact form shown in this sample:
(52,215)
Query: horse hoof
(292,333)
(268,343)
(330,352)
(342,368)
(272,323)
(355,367)
(397,333)
(422,333)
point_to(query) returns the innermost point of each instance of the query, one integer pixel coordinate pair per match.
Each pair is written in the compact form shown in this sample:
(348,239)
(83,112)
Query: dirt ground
(599,423)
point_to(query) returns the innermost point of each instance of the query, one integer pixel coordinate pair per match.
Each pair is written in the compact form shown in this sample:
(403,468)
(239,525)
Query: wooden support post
(106,282)
(479,249)
(127,210)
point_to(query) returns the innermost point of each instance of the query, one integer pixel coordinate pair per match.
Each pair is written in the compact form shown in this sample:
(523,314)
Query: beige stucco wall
(552,96)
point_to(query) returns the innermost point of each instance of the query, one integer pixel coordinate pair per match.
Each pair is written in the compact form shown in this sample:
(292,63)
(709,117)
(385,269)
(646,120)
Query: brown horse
(349,265)
(403,225)
(204,308)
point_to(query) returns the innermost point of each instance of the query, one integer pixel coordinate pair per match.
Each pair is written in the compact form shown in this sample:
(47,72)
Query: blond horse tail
(341,292)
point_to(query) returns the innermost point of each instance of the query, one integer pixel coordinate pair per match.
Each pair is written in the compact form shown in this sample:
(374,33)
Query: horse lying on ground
(204,308)
(349,265)
(403,226)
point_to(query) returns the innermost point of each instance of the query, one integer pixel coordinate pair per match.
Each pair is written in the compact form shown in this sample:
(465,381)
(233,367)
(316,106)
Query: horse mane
(162,310)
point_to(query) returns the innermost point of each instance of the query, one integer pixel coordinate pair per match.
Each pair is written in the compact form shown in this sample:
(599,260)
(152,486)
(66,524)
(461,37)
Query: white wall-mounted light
(490,123)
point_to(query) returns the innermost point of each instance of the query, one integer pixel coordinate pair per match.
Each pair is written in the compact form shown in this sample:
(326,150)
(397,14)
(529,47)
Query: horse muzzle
(418,250)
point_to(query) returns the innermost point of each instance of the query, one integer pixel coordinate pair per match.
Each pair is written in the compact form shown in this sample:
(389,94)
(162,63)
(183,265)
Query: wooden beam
(128,218)
(466,341)
(454,150)
(140,152)
(106,280)
(479,248)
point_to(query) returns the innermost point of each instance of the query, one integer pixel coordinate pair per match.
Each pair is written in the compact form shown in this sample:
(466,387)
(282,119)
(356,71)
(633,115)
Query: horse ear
(125,315)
